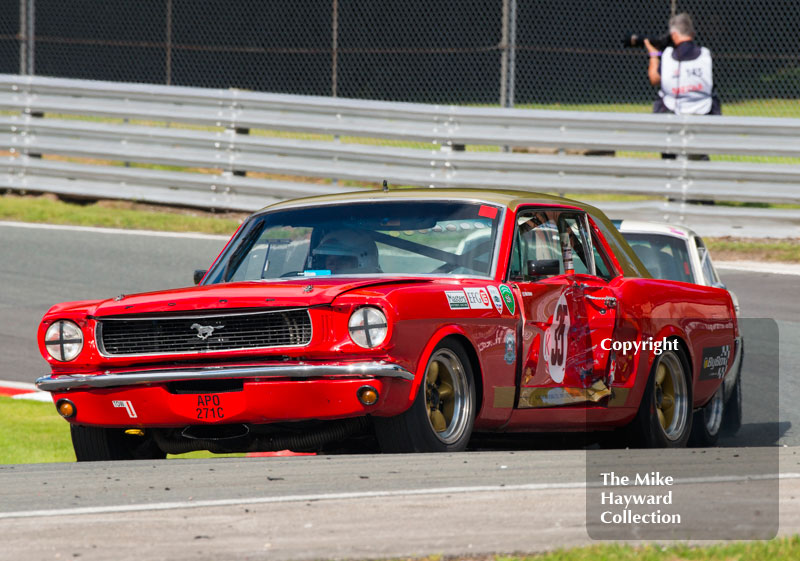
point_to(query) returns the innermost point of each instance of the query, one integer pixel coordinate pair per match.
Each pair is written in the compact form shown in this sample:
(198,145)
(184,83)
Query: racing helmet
(346,251)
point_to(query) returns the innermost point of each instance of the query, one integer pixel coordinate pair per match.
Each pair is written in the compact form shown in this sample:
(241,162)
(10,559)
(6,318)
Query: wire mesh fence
(543,53)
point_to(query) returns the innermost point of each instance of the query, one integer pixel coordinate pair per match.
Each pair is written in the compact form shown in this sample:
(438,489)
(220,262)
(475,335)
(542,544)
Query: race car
(676,252)
(406,319)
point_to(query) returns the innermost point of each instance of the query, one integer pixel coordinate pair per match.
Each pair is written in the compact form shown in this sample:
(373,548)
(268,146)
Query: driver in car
(346,252)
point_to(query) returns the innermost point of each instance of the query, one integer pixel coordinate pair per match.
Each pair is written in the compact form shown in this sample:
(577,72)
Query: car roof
(509,198)
(641,227)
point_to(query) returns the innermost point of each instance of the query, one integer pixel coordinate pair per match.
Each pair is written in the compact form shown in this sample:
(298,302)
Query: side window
(536,242)
(572,228)
(705,263)
(601,263)
(541,242)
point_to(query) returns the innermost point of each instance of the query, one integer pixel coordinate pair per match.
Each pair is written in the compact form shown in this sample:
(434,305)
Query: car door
(567,310)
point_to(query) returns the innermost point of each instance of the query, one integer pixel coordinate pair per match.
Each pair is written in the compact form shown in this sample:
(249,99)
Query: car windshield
(666,257)
(417,238)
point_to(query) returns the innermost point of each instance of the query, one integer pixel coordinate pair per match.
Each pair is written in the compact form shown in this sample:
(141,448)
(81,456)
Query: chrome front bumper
(300,371)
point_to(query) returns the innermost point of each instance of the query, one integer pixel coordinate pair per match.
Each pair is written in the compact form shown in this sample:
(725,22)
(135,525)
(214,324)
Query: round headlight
(368,327)
(63,340)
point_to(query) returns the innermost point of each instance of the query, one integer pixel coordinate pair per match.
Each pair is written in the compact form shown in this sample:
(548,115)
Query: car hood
(291,293)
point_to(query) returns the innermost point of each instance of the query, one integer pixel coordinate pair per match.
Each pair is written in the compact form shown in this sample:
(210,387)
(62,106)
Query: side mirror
(544,267)
(199,274)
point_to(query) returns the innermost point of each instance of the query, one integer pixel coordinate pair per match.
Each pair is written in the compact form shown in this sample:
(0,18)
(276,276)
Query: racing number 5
(557,354)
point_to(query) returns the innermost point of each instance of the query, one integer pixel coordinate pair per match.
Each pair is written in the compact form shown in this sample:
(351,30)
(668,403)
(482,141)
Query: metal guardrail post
(244,131)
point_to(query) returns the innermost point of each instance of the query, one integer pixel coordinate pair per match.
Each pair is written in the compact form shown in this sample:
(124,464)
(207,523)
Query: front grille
(203,333)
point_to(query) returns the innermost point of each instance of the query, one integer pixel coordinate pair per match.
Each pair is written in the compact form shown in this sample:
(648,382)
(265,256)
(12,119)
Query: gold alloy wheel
(447,396)
(671,396)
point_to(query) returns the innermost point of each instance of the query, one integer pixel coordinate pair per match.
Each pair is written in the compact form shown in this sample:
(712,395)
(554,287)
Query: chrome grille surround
(202,333)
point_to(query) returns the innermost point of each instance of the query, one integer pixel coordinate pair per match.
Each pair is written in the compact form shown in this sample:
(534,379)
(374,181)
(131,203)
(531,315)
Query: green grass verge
(783,549)
(110,215)
(724,249)
(32,432)
(750,108)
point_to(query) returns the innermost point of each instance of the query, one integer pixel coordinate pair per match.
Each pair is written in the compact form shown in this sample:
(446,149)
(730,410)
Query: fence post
(168,44)
(335,59)
(508,44)
(23,43)
(334,47)
(26,36)
(512,51)
(504,56)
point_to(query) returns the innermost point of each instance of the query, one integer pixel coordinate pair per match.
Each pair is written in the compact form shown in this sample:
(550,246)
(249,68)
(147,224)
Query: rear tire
(443,413)
(95,444)
(732,416)
(707,421)
(664,419)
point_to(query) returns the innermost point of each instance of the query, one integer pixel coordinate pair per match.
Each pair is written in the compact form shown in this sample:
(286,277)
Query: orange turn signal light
(367,395)
(66,408)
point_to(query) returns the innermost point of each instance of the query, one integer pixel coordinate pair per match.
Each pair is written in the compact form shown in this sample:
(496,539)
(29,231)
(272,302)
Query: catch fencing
(495,52)
(239,150)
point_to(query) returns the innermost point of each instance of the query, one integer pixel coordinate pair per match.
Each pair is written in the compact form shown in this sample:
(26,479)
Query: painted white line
(760,267)
(34,393)
(44,397)
(119,231)
(358,495)
(289,499)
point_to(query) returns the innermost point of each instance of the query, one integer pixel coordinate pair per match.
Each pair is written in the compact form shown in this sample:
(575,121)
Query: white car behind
(678,253)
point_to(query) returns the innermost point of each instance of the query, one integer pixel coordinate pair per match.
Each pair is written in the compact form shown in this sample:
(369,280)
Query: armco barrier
(200,147)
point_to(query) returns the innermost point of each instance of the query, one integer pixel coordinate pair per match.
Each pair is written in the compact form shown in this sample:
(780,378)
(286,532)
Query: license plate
(209,407)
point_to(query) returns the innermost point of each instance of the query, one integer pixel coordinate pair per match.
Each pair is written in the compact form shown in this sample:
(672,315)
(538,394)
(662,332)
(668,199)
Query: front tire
(443,413)
(95,444)
(664,419)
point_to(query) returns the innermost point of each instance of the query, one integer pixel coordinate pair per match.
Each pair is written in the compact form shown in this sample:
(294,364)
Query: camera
(637,40)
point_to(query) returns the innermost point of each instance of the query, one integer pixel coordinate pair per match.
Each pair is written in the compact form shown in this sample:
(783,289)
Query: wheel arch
(672,333)
(454,333)
(686,356)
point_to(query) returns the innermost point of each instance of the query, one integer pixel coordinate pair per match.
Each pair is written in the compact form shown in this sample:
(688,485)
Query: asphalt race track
(359,506)
(346,506)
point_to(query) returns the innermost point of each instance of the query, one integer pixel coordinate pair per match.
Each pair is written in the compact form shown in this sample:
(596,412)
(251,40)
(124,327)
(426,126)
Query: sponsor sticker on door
(508,298)
(478,298)
(497,300)
(456,299)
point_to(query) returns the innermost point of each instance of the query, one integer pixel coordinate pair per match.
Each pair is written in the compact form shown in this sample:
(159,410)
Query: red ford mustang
(410,318)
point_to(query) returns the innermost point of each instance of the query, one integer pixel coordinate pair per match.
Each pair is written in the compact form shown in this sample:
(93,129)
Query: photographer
(682,72)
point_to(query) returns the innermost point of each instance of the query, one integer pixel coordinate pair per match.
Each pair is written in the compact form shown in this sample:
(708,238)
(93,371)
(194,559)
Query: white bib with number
(686,85)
